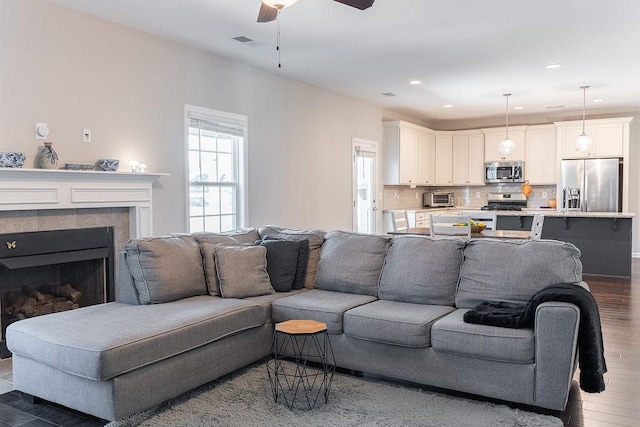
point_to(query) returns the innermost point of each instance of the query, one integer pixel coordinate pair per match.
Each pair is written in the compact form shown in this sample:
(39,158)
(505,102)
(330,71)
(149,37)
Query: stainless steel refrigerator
(591,185)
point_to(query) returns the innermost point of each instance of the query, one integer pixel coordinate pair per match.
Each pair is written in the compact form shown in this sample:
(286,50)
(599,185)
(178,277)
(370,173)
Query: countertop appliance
(591,185)
(505,202)
(438,199)
(501,172)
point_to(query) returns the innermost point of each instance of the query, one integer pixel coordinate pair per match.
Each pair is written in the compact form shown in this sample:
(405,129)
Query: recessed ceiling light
(518,108)
(553,66)
(415,82)
(598,100)
(447,106)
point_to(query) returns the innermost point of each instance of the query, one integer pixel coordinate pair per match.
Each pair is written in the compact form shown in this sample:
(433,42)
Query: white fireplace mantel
(34,189)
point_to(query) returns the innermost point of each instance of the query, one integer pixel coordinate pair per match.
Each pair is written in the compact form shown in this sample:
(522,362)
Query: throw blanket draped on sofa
(590,345)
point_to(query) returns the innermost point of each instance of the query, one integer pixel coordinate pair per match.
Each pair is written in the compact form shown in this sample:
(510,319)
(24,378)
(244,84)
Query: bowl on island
(110,165)
(12,159)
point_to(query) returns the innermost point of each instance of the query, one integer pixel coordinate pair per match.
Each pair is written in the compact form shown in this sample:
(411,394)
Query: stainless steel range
(506,202)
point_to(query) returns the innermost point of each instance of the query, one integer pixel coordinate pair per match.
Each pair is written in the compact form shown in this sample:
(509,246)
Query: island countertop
(524,212)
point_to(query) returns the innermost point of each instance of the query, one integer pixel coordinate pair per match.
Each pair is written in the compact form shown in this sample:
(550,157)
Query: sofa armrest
(125,287)
(556,335)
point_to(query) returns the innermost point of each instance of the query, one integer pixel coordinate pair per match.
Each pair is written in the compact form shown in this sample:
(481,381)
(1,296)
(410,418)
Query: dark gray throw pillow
(282,262)
(303,260)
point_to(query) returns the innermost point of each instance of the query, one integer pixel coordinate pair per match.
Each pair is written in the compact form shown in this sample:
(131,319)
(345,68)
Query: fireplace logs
(31,302)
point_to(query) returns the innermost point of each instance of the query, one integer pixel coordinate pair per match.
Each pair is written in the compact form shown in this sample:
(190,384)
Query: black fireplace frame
(25,249)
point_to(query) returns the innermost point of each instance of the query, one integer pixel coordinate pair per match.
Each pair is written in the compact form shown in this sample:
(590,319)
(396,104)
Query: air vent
(249,42)
(389,94)
(243,39)
(555,106)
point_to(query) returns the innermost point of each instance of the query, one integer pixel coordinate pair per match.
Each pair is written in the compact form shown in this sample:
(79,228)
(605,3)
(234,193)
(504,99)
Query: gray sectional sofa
(191,308)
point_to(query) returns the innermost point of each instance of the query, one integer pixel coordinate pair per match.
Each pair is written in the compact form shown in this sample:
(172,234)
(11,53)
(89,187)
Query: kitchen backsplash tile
(403,197)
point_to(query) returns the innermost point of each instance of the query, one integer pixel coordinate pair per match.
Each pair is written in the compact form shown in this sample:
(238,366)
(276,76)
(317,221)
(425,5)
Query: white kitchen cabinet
(444,159)
(607,137)
(468,159)
(540,165)
(426,158)
(492,138)
(409,154)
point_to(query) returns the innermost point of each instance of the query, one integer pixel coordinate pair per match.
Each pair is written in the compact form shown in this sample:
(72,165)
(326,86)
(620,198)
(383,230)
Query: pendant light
(507,146)
(583,142)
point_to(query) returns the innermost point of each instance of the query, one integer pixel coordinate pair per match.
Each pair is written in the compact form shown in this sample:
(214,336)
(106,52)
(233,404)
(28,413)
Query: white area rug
(244,399)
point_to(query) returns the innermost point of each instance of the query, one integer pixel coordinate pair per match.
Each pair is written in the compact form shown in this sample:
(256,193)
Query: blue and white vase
(48,158)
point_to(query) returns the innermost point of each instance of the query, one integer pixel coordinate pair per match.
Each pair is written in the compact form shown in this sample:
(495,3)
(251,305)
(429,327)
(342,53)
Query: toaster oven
(438,199)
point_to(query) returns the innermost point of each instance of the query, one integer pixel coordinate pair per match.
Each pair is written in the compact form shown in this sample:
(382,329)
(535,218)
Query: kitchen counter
(525,211)
(563,213)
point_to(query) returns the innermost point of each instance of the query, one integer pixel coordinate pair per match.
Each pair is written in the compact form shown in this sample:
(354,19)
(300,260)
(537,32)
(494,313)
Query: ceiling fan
(269,8)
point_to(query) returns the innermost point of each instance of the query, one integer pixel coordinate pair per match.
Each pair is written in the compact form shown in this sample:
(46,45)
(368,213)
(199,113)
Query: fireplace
(45,272)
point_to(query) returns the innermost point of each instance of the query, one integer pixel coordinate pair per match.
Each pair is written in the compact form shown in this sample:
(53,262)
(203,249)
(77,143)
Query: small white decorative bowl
(110,165)
(12,159)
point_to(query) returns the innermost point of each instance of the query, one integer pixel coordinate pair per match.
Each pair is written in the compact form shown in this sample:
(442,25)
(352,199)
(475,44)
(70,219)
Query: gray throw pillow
(166,268)
(242,271)
(282,262)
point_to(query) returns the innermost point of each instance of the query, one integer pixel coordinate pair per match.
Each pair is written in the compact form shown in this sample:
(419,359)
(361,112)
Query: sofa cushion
(116,338)
(421,270)
(513,271)
(166,268)
(282,262)
(208,240)
(351,262)
(323,306)
(452,335)
(242,271)
(265,301)
(395,323)
(242,235)
(315,238)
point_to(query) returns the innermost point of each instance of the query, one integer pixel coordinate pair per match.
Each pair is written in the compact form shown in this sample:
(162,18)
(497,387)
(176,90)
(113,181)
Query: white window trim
(195,112)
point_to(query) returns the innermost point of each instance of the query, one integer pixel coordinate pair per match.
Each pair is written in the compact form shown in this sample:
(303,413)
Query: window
(216,142)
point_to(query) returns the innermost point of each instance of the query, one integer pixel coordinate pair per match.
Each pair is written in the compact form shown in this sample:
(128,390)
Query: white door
(365,186)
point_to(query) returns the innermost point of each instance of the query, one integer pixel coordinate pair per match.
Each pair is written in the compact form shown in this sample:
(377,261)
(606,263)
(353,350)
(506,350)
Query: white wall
(74,71)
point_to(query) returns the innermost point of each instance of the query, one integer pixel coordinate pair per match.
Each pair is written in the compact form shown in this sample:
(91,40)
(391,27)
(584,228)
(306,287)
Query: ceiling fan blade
(358,4)
(267,13)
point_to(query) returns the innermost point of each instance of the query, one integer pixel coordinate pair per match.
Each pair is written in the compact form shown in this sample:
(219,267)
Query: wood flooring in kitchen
(619,405)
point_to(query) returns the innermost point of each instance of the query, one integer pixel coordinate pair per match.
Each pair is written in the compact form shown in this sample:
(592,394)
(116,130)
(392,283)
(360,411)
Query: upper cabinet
(608,137)
(468,158)
(540,166)
(492,138)
(409,154)
(444,160)
(426,157)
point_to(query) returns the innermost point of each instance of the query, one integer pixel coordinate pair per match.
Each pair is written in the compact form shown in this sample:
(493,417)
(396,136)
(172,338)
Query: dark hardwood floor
(619,405)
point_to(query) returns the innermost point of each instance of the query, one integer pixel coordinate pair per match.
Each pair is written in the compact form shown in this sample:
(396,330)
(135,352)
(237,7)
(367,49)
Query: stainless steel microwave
(438,199)
(498,172)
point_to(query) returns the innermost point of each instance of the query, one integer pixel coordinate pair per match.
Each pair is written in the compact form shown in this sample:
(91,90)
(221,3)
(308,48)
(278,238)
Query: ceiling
(466,53)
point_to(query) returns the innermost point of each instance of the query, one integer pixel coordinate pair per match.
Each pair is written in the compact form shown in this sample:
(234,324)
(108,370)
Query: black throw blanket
(590,345)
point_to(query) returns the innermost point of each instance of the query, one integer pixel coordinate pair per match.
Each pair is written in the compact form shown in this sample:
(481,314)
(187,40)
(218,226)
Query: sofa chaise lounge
(191,308)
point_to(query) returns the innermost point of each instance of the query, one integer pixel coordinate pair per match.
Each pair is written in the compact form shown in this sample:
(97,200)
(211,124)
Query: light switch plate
(86,135)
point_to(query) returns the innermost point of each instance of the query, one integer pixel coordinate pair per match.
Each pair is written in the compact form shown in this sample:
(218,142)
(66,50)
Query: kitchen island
(604,238)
